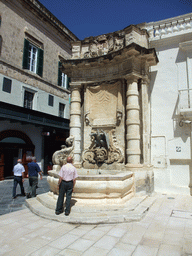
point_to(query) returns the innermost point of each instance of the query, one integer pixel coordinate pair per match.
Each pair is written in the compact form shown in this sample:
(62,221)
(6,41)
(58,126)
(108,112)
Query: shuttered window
(63,79)
(32,58)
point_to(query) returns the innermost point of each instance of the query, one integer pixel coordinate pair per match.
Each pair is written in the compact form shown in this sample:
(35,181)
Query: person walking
(18,171)
(33,171)
(67,180)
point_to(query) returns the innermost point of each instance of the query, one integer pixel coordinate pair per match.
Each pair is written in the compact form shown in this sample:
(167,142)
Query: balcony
(185,104)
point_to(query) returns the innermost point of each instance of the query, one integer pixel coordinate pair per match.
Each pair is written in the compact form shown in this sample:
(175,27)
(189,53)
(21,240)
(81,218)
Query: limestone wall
(170,96)
(18,22)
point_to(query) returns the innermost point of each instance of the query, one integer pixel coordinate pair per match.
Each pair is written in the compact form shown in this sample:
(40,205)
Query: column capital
(145,80)
(131,78)
(76,85)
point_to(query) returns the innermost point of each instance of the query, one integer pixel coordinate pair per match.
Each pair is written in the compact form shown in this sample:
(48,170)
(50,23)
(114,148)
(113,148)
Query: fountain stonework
(109,118)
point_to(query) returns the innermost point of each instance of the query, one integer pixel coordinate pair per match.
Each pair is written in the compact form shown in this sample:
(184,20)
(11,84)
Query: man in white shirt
(18,171)
(67,180)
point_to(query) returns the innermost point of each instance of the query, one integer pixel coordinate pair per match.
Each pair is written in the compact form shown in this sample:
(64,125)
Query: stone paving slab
(133,210)
(158,233)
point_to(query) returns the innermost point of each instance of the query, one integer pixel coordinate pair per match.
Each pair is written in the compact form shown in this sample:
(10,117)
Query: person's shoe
(66,214)
(57,213)
(23,194)
(14,197)
(28,195)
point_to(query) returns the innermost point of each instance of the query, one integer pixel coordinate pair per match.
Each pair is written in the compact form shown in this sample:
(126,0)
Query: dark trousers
(18,179)
(66,187)
(33,181)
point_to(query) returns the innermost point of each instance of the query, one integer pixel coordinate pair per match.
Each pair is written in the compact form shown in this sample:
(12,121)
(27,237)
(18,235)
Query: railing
(185,98)
(172,26)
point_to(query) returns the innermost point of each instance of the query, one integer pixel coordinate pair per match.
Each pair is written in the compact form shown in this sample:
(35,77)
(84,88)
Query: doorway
(13,145)
(10,159)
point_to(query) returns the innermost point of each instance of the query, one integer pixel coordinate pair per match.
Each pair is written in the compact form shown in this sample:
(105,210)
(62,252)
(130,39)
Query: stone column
(75,123)
(146,120)
(132,122)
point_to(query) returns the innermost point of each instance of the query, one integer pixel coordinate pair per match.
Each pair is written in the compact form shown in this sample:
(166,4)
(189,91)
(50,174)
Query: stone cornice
(132,49)
(32,76)
(47,15)
(132,59)
(186,46)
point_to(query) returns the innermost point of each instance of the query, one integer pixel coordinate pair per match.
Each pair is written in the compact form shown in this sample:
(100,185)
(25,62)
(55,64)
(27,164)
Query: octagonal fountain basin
(98,186)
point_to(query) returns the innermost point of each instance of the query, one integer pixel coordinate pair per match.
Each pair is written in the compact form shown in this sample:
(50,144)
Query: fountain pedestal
(99,187)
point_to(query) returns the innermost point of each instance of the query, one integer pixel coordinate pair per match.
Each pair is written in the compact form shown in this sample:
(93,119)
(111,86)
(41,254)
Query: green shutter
(59,74)
(26,54)
(68,81)
(40,62)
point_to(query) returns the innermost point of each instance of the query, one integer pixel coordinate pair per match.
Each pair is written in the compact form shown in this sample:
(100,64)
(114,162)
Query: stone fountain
(109,120)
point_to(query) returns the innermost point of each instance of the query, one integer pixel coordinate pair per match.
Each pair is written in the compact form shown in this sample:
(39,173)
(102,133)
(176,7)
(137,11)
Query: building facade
(170,103)
(34,93)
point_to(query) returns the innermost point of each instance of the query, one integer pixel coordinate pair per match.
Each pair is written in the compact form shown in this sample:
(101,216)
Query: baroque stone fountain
(109,120)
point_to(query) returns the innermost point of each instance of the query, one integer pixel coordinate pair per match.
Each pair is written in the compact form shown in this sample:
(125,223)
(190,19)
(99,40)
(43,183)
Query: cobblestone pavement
(7,204)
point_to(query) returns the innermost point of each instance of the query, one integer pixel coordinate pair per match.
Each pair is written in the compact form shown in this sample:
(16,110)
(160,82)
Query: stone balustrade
(169,27)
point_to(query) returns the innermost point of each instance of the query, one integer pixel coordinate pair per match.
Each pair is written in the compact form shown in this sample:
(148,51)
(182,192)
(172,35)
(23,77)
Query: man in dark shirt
(33,171)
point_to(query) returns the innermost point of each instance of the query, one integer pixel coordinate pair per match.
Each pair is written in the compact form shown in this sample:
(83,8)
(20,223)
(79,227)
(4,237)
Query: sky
(86,18)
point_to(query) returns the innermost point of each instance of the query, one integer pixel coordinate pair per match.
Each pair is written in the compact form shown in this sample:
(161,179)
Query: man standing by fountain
(67,180)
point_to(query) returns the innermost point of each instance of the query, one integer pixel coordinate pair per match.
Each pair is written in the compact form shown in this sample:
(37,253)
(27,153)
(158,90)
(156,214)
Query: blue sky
(95,17)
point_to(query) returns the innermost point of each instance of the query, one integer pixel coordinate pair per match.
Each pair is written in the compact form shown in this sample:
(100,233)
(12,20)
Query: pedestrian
(33,171)
(67,180)
(18,171)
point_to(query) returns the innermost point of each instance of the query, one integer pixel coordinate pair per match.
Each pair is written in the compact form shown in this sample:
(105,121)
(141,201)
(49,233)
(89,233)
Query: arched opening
(13,145)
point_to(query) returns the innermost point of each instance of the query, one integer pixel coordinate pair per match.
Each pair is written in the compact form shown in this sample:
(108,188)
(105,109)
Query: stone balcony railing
(169,27)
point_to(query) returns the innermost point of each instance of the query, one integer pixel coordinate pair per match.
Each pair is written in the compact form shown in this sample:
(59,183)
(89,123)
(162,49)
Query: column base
(134,165)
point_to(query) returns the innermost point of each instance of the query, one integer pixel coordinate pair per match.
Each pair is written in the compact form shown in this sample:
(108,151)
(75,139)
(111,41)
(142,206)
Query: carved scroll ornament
(60,156)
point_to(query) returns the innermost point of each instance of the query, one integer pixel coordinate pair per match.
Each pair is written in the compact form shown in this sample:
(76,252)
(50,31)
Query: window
(63,79)
(7,85)
(51,100)
(61,110)
(32,58)
(28,99)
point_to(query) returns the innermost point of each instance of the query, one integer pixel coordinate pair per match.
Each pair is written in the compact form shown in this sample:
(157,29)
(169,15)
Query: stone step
(133,210)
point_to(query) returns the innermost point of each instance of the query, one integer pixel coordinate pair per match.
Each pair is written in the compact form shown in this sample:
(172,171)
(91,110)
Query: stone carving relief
(60,157)
(103,45)
(103,149)
(103,105)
